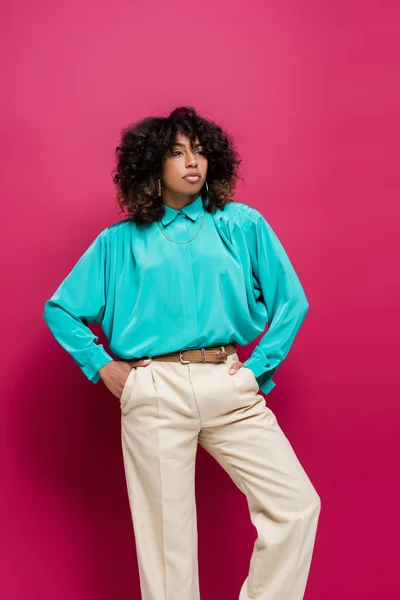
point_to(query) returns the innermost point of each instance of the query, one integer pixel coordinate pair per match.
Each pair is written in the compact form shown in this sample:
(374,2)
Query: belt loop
(203,355)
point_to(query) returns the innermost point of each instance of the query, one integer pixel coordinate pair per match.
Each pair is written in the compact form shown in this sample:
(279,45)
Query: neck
(177,200)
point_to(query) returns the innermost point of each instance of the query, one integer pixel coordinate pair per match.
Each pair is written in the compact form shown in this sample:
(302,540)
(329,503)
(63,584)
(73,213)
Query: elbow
(48,311)
(45,310)
(302,304)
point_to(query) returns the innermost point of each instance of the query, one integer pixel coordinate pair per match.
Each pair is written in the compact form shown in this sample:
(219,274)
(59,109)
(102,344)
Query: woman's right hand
(115,373)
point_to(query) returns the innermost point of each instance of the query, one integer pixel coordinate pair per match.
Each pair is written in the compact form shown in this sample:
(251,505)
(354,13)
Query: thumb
(140,362)
(145,361)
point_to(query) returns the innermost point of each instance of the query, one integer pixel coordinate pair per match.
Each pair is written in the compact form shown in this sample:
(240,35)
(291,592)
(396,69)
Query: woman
(176,286)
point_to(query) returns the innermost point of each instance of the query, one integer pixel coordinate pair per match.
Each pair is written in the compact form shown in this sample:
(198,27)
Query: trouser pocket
(127,390)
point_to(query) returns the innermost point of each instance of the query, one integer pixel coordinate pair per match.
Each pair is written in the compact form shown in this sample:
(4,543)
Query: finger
(235,367)
(139,363)
(145,361)
(142,362)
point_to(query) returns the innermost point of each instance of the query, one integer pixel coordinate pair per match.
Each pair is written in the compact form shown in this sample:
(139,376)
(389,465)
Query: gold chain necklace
(168,238)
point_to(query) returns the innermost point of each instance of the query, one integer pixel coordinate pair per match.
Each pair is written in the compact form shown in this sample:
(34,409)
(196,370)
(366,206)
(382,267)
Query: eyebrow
(184,145)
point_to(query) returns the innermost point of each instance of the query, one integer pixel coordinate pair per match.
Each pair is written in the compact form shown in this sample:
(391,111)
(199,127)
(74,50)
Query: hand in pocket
(115,374)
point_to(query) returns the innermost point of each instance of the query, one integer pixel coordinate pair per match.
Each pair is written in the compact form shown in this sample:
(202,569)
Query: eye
(176,152)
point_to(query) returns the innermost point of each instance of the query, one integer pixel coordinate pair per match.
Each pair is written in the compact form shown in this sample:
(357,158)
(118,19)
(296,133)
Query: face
(181,160)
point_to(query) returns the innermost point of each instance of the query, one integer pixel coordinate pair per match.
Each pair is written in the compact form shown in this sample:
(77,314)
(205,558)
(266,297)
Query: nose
(191,160)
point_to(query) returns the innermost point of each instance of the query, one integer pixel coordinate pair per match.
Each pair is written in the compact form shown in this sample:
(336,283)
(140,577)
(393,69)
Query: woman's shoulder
(120,229)
(113,233)
(119,226)
(242,213)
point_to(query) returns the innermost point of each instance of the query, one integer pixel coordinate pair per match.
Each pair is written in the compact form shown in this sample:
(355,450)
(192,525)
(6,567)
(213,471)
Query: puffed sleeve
(282,294)
(78,301)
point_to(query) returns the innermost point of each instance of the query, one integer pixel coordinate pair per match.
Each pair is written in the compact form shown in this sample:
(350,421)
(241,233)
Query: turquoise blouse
(152,296)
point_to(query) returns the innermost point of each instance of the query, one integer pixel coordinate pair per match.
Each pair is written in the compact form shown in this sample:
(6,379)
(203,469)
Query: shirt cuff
(257,362)
(260,365)
(97,358)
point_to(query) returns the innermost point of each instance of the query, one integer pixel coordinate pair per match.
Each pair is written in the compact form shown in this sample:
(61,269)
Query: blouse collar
(192,210)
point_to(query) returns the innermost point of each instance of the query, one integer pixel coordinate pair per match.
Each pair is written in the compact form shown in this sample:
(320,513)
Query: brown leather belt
(201,355)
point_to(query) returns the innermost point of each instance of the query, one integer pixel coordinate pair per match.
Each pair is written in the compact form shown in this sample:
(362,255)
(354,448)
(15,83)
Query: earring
(207,187)
(159,187)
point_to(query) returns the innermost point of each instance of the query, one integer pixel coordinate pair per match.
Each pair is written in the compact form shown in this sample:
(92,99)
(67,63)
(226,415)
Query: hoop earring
(207,187)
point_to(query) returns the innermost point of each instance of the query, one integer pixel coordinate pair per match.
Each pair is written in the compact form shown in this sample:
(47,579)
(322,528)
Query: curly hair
(139,162)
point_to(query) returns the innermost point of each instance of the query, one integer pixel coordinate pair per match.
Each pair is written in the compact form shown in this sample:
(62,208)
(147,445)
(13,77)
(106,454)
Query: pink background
(310,91)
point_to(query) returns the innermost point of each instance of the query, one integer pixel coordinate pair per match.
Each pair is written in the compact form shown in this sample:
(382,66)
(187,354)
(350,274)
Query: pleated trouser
(167,409)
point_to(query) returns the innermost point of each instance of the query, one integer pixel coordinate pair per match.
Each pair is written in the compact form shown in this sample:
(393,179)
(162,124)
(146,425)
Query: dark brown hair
(139,162)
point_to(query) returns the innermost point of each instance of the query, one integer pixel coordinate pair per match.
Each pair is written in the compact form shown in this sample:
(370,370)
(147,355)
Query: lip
(192,177)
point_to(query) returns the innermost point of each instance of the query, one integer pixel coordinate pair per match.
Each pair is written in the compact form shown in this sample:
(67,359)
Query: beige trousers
(167,408)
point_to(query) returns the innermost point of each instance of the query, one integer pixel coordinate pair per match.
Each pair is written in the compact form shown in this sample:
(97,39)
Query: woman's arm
(283,296)
(78,301)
